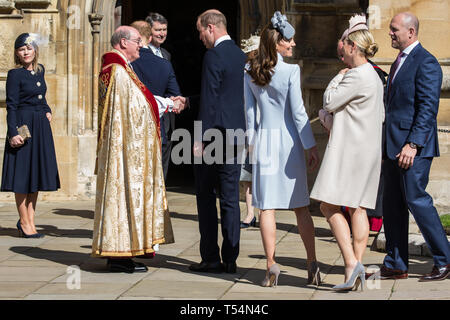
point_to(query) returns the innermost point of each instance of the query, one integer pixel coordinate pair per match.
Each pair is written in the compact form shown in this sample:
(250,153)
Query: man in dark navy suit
(158,76)
(158,24)
(221,108)
(412,101)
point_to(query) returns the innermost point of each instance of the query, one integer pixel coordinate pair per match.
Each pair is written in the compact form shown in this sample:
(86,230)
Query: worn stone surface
(43,269)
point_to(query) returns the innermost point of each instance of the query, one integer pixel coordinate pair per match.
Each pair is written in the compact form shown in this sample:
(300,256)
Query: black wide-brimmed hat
(23,40)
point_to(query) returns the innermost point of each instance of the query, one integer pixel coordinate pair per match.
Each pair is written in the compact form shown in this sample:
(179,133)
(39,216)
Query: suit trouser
(165,156)
(405,189)
(378,211)
(210,180)
(165,123)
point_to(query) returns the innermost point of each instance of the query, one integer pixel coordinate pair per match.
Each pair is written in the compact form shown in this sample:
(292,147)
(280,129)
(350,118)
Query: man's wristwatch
(413,145)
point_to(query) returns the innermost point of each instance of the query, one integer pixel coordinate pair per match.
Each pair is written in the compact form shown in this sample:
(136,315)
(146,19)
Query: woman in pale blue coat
(278,142)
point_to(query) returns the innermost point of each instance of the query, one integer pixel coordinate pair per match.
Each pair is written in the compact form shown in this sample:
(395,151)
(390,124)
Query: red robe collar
(111,58)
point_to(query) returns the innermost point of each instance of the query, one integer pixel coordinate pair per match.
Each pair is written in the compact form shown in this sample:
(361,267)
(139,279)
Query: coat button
(32,72)
(38,84)
(40,96)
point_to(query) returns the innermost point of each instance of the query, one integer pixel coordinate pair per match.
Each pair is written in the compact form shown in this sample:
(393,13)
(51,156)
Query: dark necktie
(394,68)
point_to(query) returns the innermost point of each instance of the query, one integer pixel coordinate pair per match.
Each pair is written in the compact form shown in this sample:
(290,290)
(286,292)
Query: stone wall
(74,38)
(78,32)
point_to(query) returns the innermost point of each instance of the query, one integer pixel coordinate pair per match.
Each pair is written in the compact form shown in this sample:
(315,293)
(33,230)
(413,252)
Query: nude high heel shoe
(314,274)
(357,278)
(271,279)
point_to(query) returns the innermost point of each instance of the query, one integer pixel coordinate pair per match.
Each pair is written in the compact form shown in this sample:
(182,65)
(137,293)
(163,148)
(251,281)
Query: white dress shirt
(156,51)
(406,52)
(221,39)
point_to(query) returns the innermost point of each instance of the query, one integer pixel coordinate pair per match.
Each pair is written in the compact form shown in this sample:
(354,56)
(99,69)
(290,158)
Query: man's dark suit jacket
(158,76)
(222,96)
(166,54)
(221,107)
(412,105)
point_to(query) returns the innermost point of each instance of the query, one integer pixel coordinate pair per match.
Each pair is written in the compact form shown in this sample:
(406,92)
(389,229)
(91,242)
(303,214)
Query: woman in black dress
(28,166)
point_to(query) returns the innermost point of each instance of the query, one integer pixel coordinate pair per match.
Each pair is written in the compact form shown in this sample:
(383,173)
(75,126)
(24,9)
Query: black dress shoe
(245,225)
(213,267)
(437,274)
(126,265)
(229,267)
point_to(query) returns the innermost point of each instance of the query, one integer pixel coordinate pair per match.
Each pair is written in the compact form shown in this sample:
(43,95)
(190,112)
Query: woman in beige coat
(350,170)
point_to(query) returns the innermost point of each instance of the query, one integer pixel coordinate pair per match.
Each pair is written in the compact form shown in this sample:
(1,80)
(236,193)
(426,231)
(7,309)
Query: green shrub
(445,220)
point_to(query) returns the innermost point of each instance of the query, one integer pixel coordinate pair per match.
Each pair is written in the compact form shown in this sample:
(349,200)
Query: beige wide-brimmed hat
(250,44)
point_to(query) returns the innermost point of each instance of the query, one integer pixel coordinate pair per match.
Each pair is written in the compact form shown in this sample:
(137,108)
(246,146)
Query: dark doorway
(187,55)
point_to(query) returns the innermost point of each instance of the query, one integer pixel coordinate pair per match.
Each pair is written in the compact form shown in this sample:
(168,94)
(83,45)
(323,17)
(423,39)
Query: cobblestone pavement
(47,268)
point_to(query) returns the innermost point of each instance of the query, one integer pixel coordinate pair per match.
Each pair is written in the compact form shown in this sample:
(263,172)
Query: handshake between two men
(179,104)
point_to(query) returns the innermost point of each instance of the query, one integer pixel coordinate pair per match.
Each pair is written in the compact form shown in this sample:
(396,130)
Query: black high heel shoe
(252,223)
(28,236)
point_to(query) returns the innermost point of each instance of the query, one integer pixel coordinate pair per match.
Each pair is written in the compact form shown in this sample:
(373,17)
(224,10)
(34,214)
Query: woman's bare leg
(360,231)
(268,228)
(305,227)
(21,204)
(31,208)
(248,200)
(341,232)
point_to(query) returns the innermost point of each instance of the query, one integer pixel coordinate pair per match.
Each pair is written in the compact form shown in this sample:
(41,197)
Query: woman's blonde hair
(36,66)
(364,41)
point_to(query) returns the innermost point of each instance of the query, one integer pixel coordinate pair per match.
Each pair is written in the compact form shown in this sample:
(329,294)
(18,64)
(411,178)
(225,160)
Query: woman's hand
(49,116)
(344,71)
(313,158)
(16,141)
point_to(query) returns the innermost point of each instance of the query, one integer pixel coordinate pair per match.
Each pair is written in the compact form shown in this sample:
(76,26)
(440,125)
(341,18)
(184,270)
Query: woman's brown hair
(262,64)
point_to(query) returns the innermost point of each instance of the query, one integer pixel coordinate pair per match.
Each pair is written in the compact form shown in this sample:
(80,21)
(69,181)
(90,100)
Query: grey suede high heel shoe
(271,279)
(357,278)
(314,274)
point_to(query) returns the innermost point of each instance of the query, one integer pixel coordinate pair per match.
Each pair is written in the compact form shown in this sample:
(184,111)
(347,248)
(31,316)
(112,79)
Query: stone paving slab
(92,291)
(19,289)
(101,276)
(37,269)
(30,274)
(270,294)
(180,289)
(428,290)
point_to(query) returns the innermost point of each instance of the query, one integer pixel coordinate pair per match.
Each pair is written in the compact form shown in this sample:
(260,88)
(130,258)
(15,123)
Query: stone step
(416,243)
